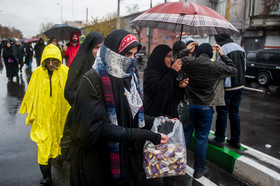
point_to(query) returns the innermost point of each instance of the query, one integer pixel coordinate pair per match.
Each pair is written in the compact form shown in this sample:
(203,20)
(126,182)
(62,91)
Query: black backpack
(95,81)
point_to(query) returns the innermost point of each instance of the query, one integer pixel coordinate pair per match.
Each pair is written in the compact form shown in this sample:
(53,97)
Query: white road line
(254,89)
(254,173)
(203,180)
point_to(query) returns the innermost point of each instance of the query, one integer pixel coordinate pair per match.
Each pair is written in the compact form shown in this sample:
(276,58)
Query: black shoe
(234,144)
(46,181)
(197,174)
(213,141)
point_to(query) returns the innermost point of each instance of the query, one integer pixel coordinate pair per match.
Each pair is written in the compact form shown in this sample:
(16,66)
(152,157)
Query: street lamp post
(60,11)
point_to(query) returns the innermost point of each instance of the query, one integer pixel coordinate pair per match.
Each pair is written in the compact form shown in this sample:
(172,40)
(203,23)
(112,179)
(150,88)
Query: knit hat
(188,40)
(205,48)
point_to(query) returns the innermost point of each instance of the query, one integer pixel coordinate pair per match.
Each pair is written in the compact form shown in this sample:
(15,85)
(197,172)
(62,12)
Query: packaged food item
(169,159)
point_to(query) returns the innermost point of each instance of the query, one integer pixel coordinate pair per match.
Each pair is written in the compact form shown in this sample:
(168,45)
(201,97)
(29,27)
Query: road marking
(203,180)
(254,89)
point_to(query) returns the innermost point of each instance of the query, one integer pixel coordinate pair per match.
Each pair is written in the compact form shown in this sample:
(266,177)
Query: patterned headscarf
(110,61)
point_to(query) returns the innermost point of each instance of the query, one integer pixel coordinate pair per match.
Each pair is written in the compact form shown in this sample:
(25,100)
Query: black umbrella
(62,31)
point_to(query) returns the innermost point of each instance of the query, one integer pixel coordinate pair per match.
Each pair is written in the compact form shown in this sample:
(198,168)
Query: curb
(247,164)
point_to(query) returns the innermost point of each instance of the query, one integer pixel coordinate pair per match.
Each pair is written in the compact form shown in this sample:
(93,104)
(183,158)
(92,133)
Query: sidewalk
(247,164)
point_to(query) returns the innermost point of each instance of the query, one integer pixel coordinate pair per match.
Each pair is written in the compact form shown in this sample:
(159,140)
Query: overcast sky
(28,15)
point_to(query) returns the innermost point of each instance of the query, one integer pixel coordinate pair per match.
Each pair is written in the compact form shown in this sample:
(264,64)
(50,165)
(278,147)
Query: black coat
(90,132)
(204,74)
(11,67)
(29,54)
(162,93)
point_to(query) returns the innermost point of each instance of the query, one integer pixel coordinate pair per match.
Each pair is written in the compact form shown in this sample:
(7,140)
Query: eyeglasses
(53,61)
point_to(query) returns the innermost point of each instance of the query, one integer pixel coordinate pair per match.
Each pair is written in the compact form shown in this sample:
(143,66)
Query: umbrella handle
(215,54)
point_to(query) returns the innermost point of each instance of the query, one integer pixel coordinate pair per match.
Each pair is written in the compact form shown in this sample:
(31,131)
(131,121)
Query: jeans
(201,117)
(232,99)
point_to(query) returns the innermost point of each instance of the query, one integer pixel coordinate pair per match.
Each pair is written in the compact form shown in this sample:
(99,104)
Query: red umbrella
(185,17)
(34,40)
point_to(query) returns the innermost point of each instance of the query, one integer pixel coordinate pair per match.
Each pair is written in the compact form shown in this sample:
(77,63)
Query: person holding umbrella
(233,88)
(70,49)
(204,75)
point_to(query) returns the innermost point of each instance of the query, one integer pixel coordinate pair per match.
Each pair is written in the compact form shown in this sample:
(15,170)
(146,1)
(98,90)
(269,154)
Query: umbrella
(185,17)
(33,40)
(62,31)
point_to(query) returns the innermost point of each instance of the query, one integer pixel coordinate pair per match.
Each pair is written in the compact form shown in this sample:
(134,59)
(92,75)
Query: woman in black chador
(107,128)
(162,91)
(10,61)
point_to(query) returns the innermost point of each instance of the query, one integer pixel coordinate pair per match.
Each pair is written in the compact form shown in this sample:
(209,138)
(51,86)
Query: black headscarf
(223,39)
(114,39)
(161,89)
(205,48)
(82,62)
(156,60)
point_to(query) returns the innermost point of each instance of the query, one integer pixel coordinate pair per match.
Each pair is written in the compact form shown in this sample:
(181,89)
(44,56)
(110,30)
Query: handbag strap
(95,83)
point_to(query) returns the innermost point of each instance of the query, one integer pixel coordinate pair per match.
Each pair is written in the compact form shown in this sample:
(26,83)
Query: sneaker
(197,174)
(213,141)
(234,144)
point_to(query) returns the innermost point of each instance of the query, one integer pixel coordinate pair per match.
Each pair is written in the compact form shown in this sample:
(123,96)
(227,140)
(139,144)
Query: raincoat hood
(74,33)
(51,51)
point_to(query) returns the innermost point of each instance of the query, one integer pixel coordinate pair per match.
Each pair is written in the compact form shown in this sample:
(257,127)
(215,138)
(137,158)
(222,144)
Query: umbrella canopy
(185,17)
(62,31)
(33,40)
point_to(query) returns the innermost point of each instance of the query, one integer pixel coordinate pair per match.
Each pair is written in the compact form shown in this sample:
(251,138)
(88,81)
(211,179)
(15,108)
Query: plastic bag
(168,159)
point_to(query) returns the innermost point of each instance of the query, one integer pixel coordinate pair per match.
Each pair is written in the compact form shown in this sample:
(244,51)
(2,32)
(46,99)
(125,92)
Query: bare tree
(131,9)
(270,6)
(45,26)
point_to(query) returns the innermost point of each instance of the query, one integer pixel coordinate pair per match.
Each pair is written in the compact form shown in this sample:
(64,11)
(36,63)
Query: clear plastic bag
(168,159)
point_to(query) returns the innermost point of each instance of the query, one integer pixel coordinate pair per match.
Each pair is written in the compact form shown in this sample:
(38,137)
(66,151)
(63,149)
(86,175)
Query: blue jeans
(201,117)
(232,99)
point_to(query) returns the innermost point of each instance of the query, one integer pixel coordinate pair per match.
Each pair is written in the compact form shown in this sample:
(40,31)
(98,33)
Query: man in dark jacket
(233,92)
(204,75)
(19,52)
(39,47)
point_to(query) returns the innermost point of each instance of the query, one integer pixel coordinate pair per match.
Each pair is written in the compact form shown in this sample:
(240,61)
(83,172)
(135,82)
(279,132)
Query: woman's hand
(184,83)
(164,138)
(177,65)
(172,119)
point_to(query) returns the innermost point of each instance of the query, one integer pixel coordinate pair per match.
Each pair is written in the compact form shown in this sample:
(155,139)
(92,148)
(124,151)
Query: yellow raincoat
(46,107)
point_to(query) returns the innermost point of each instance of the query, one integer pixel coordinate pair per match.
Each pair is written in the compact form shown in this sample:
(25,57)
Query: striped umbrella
(185,17)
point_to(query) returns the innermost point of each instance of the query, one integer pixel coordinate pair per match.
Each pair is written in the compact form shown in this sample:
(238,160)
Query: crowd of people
(95,101)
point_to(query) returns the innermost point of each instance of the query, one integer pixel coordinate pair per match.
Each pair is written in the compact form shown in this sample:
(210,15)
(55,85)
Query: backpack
(94,80)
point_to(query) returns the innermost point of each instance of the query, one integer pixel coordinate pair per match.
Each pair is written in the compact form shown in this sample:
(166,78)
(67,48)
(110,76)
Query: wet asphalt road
(18,154)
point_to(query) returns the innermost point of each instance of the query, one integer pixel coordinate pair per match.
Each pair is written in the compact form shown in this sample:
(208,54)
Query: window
(251,57)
